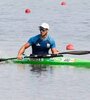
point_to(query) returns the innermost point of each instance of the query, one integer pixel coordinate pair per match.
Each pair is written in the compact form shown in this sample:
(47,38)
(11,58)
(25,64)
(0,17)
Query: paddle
(33,56)
(76,52)
(60,54)
(5,59)
(50,55)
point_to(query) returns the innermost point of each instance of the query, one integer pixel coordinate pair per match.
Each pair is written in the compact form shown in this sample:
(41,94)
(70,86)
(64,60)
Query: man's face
(43,31)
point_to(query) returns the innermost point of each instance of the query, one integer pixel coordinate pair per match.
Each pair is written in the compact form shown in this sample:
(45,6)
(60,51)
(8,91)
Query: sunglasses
(42,29)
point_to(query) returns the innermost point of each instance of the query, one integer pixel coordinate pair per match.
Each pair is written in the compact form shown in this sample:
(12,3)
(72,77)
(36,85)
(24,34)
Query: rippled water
(68,24)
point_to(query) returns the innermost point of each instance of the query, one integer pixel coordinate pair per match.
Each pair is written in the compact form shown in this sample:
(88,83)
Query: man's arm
(54,51)
(22,50)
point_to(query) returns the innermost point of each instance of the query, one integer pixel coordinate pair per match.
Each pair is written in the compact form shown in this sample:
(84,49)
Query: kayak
(54,61)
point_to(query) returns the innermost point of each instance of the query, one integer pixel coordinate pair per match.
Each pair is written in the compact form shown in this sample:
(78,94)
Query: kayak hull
(54,61)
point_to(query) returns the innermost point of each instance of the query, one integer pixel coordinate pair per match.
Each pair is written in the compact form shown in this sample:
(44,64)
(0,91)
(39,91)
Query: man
(40,43)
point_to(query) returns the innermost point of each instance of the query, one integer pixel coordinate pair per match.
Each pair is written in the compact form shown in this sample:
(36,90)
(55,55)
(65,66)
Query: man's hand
(19,57)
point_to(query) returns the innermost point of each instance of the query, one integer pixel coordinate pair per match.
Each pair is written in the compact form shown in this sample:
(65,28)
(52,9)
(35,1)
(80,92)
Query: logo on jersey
(37,44)
(48,45)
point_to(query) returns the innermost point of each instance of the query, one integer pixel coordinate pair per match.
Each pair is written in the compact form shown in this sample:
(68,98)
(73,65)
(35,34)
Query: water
(68,24)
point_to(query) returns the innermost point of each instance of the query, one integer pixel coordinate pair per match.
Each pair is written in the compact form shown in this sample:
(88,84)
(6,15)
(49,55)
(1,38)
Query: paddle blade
(76,52)
(2,59)
(5,59)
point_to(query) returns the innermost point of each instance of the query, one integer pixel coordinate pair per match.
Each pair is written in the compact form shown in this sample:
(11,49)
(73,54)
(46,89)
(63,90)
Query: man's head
(44,27)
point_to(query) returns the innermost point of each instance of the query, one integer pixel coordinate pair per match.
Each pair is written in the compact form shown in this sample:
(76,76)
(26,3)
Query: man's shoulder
(36,36)
(50,38)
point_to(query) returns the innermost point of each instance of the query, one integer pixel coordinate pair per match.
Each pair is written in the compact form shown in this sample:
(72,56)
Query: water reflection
(39,68)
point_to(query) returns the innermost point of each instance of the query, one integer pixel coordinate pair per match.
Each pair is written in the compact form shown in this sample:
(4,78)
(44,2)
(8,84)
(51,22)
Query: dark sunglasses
(42,29)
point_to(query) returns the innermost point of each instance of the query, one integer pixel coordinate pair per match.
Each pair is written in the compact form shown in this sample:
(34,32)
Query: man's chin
(43,35)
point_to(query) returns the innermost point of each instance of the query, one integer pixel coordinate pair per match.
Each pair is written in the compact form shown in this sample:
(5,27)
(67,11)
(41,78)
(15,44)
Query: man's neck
(44,36)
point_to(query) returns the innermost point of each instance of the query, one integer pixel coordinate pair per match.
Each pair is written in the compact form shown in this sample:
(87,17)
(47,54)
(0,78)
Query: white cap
(45,25)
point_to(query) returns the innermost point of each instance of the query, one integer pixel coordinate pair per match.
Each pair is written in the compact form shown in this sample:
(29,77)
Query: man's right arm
(22,50)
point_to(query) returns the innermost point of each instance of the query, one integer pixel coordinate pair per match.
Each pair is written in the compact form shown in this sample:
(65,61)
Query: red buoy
(70,47)
(27,11)
(63,3)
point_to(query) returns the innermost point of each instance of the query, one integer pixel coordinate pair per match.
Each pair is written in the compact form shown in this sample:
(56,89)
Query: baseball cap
(44,25)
